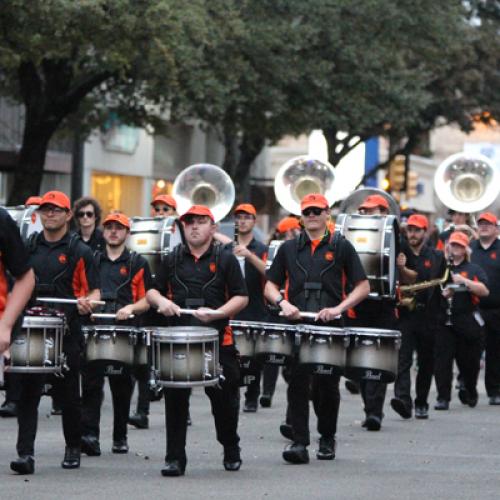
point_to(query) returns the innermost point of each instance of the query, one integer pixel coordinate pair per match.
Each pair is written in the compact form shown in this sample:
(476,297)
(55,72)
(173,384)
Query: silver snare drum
(373,354)
(38,348)
(323,348)
(110,344)
(185,356)
(142,346)
(244,334)
(274,342)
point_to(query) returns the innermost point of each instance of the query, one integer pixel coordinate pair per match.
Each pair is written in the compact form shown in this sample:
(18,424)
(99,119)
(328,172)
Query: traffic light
(397,173)
(412,184)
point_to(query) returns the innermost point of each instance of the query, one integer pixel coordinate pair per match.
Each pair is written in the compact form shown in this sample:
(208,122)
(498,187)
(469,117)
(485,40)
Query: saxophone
(408,292)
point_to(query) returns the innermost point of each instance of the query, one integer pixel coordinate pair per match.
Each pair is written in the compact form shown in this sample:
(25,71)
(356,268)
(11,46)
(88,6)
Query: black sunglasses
(312,210)
(82,214)
(163,209)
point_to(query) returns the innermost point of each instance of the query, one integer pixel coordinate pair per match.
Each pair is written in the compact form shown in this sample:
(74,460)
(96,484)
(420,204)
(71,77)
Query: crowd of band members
(319,272)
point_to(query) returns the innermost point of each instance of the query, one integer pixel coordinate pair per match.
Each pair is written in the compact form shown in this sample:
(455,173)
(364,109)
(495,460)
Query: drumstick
(108,316)
(55,300)
(309,315)
(192,311)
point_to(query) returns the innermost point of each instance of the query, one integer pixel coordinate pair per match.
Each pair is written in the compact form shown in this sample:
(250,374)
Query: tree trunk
(29,170)
(250,148)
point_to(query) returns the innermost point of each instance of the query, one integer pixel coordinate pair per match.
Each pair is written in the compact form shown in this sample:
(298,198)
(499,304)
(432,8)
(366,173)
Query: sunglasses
(50,208)
(312,210)
(163,209)
(82,214)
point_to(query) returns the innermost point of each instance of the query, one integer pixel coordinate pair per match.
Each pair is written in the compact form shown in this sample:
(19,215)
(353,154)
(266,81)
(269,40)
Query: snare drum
(38,347)
(323,348)
(185,356)
(373,354)
(154,238)
(112,344)
(376,240)
(27,219)
(244,333)
(274,342)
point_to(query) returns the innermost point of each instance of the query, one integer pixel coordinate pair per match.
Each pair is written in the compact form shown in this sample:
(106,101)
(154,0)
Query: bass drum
(27,219)
(376,240)
(154,238)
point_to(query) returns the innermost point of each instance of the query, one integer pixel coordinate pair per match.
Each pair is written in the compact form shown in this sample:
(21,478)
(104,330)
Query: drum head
(185,334)
(375,332)
(42,322)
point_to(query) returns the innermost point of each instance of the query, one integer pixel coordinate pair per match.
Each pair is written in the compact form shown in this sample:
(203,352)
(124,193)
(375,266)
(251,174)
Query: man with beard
(124,279)
(418,325)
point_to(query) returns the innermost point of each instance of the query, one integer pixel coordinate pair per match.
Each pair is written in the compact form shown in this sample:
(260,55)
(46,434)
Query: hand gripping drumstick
(108,316)
(192,311)
(55,300)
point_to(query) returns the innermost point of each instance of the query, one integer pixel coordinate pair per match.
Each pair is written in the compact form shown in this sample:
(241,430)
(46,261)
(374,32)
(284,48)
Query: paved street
(454,454)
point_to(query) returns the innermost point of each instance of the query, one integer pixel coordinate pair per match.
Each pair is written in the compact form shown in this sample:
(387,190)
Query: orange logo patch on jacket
(427,264)
(123,271)
(493,255)
(464,274)
(329,256)
(212,267)
(62,258)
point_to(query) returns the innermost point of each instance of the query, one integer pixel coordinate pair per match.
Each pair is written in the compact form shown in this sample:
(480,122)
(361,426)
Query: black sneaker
(442,405)
(8,409)
(139,421)
(90,446)
(71,458)
(463,395)
(494,400)
(173,468)
(373,423)
(401,408)
(250,406)
(296,453)
(286,430)
(326,449)
(422,412)
(120,446)
(23,465)
(232,458)
(265,400)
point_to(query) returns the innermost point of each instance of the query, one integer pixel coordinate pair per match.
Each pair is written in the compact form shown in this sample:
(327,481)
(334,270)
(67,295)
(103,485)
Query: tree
(61,56)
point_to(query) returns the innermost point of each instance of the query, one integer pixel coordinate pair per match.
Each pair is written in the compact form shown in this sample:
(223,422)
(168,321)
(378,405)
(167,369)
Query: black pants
(492,345)
(121,386)
(417,332)
(12,387)
(268,374)
(324,391)
(141,376)
(463,342)
(67,390)
(225,402)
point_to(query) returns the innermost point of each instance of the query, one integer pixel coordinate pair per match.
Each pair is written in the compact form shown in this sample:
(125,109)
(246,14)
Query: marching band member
(486,254)
(418,326)
(314,266)
(374,313)
(204,276)
(87,219)
(254,254)
(63,268)
(163,205)
(124,278)
(460,337)
(460,221)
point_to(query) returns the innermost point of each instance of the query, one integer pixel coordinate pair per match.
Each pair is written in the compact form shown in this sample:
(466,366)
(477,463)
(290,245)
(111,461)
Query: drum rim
(108,328)
(260,324)
(324,330)
(373,332)
(183,338)
(49,320)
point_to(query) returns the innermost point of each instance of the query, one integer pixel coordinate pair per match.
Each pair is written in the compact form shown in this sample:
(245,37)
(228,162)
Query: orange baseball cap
(488,217)
(56,198)
(33,200)
(314,200)
(248,208)
(373,201)
(459,238)
(117,217)
(199,210)
(164,198)
(287,224)
(418,220)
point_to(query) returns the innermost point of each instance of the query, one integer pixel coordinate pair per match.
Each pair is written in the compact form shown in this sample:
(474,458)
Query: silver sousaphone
(467,183)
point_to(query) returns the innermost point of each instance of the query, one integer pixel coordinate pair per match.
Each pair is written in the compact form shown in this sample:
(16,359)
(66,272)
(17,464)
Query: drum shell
(325,351)
(186,356)
(142,347)
(110,344)
(244,340)
(373,356)
(274,344)
(38,347)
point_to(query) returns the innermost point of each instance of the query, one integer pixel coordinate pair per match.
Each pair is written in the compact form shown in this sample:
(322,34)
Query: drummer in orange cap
(163,205)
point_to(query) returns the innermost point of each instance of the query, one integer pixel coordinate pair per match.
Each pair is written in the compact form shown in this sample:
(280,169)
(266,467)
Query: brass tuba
(300,176)
(204,184)
(467,183)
